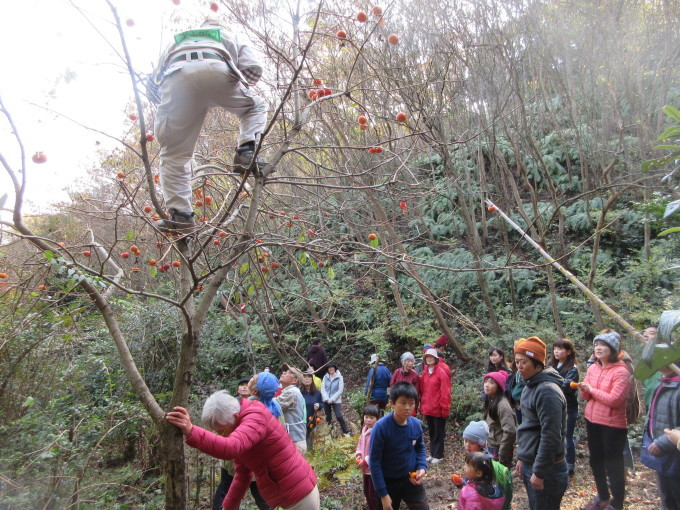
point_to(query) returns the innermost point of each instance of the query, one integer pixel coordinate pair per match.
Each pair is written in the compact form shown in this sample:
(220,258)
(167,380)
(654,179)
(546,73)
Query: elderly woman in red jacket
(605,388)
(248,433)
(435,402)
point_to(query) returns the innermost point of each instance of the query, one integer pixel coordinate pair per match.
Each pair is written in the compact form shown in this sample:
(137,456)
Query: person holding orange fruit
(605,388)
(480,492)
(397,450)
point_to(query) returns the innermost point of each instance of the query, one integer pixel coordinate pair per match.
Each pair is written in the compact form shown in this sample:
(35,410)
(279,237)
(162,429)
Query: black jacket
(570,393)
(541,436)
(317,358)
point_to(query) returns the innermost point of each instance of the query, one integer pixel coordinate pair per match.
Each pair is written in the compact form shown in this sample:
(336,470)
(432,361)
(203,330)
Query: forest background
(372,233)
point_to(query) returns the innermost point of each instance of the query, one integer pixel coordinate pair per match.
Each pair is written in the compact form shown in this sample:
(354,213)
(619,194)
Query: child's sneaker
(429,458)
(434,461)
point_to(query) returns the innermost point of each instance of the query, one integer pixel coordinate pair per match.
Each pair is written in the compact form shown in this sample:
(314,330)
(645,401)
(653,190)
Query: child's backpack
(504,480)
(633,404)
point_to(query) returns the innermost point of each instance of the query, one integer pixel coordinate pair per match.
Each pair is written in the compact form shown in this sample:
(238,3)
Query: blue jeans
(554,485)
(572,416)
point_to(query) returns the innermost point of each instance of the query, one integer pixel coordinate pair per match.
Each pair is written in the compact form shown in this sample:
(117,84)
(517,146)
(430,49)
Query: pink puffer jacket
(607,400)
(470,499)
(261,446)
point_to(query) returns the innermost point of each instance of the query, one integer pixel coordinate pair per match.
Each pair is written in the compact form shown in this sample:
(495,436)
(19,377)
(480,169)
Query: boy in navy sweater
(397,459)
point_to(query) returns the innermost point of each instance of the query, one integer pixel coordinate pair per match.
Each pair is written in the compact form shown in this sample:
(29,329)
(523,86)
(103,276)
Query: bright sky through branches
(55,63)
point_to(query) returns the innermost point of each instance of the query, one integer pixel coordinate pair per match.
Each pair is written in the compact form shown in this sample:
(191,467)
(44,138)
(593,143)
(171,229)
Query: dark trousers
(554,484)
(223,488)
(669,488)
(337,409)
(437,429)
(572,416)
(371,494)
(401,489)
(310,439)
(605,445)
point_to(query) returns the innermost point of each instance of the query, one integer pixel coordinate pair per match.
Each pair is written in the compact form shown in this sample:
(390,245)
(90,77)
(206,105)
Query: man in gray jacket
(293,406)
(203,68)
(541,443)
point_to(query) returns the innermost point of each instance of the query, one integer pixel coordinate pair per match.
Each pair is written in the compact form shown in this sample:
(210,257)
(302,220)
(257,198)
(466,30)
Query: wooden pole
(605,308)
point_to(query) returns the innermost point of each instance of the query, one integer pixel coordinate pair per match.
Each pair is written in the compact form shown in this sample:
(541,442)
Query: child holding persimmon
(564,361)
(480,492)
(397,450)
(371,415)
(475,437)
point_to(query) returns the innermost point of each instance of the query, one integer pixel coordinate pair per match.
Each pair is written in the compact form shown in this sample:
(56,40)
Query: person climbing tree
(203,68)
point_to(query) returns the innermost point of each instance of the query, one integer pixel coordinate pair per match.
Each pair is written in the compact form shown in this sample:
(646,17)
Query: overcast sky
(53,57)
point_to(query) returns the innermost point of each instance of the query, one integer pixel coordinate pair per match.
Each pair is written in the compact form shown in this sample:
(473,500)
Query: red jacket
(443,365)
(435,392)
(261,446)
(411,377)
(607,401)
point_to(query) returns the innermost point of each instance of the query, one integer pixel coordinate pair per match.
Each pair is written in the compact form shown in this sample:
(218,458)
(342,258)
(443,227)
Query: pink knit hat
(500,377)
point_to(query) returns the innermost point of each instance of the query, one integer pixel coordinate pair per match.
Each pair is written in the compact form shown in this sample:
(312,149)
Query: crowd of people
(266,431)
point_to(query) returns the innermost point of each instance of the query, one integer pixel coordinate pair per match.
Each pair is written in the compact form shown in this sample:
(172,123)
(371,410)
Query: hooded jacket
(259,446)
(435,392)
(607,400)
(471,499)
(541,436)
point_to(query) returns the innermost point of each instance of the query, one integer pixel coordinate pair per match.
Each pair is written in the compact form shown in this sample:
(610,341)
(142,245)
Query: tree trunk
(173,463)
(553,301)
(413,273)
(467,212)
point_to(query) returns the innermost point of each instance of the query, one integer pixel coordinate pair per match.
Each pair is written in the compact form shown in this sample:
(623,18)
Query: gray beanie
(477,432)
(407,355)
(612,339)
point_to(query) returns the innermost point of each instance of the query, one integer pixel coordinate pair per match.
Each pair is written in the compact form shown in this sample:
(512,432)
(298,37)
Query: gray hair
(220,409)
(407,355)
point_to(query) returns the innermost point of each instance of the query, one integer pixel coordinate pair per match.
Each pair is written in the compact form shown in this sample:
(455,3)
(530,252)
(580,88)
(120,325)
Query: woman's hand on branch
(180,418)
